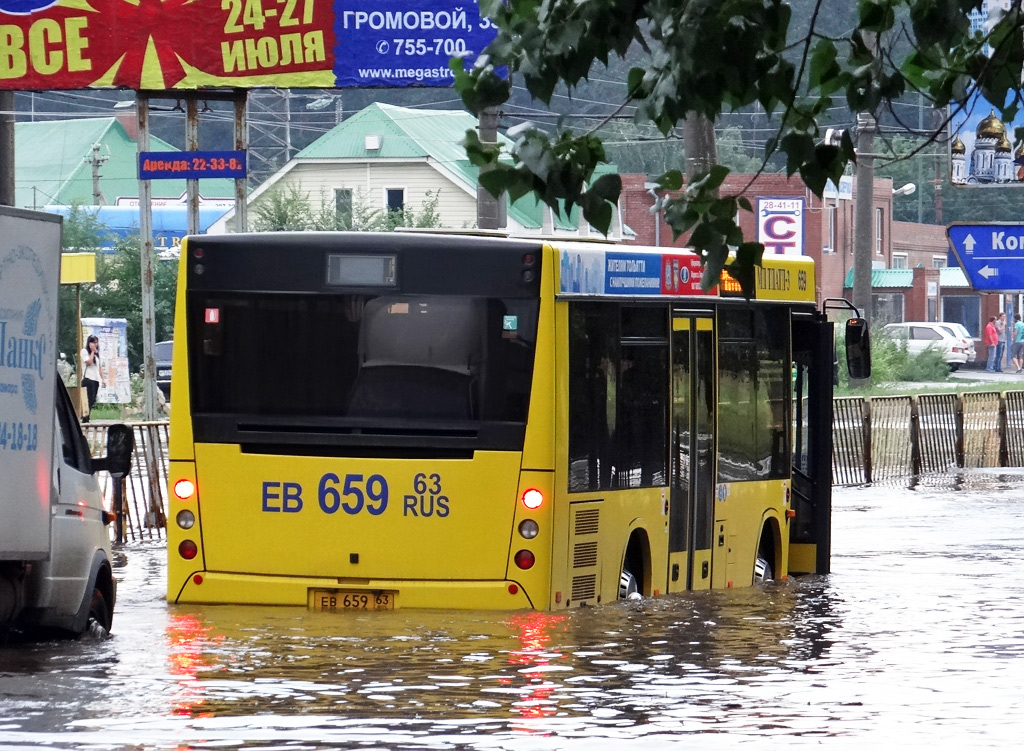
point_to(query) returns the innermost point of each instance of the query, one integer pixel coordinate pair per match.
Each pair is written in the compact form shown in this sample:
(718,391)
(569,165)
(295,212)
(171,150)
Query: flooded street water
(916,638)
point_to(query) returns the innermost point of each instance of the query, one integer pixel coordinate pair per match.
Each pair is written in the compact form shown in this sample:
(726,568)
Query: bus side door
(691,494)
(811,531)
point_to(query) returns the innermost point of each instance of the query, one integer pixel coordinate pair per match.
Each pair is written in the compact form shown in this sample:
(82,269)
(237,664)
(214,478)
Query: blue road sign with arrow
(991,255)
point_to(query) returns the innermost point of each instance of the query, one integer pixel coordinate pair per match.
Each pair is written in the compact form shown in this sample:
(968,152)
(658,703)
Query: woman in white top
(92,372)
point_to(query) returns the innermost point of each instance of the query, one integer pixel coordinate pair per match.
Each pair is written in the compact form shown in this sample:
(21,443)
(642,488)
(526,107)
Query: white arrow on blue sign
(991,255)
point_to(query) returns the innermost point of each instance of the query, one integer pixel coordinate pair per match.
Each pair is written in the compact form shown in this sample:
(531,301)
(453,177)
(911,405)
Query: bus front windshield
(360,358)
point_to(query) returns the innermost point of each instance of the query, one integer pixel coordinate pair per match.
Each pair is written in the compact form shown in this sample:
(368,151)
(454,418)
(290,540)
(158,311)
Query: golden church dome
(959,148)
(1004,145)
(991,127)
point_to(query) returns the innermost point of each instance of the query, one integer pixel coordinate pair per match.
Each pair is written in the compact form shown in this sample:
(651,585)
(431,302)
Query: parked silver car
(959,330)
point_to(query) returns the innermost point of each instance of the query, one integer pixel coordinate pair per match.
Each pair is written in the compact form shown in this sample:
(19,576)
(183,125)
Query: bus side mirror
(858,348)
(120,444)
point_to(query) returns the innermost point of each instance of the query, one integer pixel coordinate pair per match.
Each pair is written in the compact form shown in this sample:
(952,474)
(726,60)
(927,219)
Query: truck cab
(71,591)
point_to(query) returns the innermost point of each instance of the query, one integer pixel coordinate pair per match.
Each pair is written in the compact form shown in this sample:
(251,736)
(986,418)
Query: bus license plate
(336,600)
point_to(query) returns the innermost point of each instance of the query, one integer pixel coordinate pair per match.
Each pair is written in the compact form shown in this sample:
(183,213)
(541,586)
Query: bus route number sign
(190,165)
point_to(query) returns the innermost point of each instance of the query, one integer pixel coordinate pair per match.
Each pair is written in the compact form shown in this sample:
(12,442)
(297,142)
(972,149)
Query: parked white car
(922,335)
(959,330)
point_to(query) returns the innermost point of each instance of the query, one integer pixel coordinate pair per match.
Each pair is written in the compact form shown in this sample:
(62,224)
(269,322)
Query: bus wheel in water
(762,570)
(628,588)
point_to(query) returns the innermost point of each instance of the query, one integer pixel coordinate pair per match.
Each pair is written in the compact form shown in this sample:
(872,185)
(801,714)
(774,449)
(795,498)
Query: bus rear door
(691,496)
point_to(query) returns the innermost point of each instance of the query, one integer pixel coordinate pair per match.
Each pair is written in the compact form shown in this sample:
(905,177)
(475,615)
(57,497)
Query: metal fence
(143,508)
(883,438)
(874,439)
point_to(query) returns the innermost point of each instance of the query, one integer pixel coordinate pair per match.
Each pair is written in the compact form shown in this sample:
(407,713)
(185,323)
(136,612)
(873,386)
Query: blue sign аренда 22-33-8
(991,255)
(190,165)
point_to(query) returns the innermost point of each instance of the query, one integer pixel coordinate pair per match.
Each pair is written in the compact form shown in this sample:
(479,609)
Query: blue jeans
(990,366)
(1000,351)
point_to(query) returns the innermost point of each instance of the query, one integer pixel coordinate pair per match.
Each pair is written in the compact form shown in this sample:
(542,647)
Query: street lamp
(906,190)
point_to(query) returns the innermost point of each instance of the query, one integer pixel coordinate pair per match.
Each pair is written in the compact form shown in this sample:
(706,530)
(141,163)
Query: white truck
(55,570)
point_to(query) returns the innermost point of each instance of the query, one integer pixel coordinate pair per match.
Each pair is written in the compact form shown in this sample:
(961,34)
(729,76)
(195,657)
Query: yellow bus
(411,420)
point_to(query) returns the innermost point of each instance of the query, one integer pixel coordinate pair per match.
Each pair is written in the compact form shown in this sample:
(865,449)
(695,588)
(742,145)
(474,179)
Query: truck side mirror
(858,348)
(120,444)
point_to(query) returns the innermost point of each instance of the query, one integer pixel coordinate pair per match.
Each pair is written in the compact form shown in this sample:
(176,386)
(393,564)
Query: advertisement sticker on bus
(602,272)
(682,275)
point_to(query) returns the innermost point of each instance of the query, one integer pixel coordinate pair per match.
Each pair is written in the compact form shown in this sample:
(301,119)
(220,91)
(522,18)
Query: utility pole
(6,148)
(863,236)
(490,210)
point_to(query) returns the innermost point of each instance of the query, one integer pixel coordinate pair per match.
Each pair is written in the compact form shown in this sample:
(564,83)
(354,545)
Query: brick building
(911,278)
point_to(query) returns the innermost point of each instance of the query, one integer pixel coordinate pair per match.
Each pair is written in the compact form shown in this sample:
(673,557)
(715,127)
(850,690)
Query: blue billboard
(405,42)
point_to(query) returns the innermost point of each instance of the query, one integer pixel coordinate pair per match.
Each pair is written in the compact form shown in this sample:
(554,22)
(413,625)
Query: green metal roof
(426,135)
(951,276)
(51,167)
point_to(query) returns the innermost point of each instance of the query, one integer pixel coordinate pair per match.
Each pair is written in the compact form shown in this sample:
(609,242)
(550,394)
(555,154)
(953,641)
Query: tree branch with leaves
(702,58)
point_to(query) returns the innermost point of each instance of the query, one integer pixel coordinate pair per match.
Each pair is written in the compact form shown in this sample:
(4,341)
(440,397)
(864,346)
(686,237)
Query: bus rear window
(396,357)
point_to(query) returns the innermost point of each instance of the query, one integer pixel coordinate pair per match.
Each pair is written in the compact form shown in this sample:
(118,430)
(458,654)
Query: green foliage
(289,208)
(891,363)
(117,293)
(703,58)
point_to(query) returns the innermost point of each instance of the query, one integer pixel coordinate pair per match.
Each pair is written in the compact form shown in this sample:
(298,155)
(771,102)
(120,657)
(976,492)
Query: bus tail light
(184,489)
(524,559)
(533,499)
(188,550)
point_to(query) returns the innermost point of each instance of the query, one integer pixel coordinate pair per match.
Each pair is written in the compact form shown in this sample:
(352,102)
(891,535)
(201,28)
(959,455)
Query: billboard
(154,44)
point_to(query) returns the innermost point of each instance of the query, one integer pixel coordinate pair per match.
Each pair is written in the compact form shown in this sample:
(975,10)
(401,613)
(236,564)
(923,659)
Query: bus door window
(682,455)
(691,500)
(705,453)
(755,379)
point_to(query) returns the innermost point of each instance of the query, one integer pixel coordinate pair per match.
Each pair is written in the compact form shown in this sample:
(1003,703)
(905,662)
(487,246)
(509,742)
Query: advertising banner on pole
(155,44)
(112,333)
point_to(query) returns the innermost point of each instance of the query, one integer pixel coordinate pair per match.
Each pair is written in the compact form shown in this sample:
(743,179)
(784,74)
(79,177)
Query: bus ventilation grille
(584,555)
(586,522)
(584,587)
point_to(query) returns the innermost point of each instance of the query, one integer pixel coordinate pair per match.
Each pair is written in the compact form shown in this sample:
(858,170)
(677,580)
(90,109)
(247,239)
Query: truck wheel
(98,623)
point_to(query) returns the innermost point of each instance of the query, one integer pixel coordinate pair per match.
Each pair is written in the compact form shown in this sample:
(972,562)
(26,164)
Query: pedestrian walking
(1018,343)
(991,341)
(1000,324)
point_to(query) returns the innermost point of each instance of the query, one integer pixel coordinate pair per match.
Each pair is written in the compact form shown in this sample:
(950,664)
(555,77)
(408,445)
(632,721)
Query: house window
(938,262)
(395,199)
(899,260)
(830,241)
(878,231)
(886,307)
(965,309)
(343,207)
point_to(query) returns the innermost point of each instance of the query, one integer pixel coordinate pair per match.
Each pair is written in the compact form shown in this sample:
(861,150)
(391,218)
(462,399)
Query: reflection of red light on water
(535,632)
(187,635)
